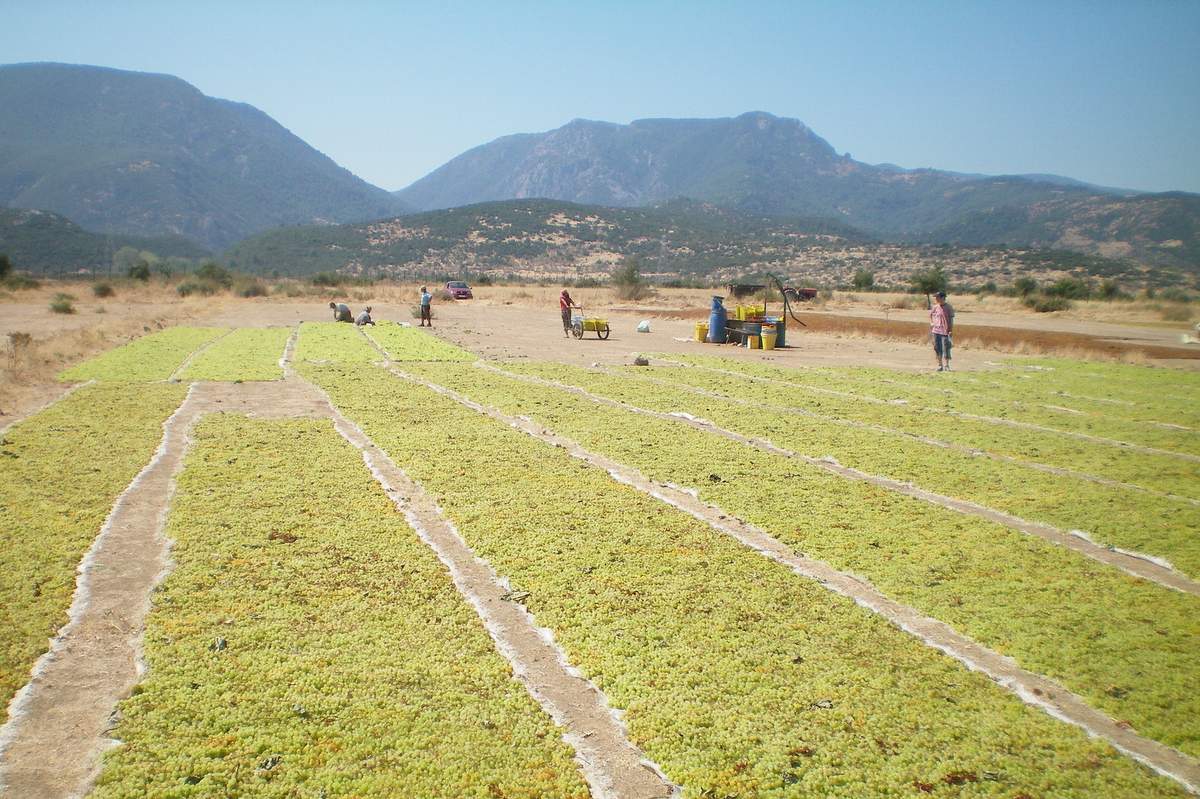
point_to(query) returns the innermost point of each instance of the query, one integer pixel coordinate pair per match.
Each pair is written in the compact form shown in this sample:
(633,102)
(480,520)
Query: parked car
(458,290)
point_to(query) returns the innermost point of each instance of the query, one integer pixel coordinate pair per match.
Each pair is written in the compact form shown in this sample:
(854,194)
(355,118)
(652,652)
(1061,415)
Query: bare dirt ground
(523,322)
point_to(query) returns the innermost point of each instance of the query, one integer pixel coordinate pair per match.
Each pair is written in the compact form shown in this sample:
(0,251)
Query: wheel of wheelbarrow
(603,332)
(577,329)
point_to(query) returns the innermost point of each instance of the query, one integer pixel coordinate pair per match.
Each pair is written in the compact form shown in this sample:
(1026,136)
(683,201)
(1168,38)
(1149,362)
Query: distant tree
(174,265)
(1071,288)
(140,271)
(5,266)
(125,259)
(214,272)
(1024,286)
(1110,290)
(628,279)
(928,281)
(864,280)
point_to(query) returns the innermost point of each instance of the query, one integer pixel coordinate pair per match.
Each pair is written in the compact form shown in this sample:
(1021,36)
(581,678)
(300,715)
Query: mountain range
(145,154)
(764,164)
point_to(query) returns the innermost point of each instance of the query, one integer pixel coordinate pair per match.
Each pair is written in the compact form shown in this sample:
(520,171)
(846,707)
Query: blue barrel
(716,322)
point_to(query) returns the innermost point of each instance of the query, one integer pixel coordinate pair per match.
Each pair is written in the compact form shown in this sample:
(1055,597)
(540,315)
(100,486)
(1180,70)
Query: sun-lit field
(783,582)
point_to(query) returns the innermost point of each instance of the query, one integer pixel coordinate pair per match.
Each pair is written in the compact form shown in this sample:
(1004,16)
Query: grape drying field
(397,570)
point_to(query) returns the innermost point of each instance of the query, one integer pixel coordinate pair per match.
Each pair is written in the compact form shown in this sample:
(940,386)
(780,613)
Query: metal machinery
(790,295)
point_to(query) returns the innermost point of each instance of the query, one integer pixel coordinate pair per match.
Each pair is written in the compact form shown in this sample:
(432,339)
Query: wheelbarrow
(580,324)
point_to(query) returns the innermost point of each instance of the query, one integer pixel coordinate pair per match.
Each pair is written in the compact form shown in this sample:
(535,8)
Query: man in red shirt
(941,326)
(565,304)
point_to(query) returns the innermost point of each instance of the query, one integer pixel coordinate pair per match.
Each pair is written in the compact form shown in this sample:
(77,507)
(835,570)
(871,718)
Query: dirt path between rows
(1033,689)
(60,723)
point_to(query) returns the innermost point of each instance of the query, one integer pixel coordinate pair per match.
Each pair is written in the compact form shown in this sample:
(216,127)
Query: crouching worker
(341,312)
(364,318)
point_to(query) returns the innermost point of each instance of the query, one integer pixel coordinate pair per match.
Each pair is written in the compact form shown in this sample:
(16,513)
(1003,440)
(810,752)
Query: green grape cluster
(249,353)
(146,359)
(61,470)
(734,674)
(308,643)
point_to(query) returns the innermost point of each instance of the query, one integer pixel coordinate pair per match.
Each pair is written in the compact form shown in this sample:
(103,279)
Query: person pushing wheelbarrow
(565,304)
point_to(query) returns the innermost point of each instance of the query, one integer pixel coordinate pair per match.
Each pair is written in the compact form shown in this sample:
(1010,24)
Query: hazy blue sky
(1107,92)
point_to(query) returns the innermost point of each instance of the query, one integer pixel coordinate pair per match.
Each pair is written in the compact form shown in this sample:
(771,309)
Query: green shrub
(864,280)
(5,267)
(140,271)
(1110,290)
(17,282)
(1174,294)
(327,279)
(103,289)
(212,272)
(628,280)
(203,287)
(1024,286)
(928,281)
(1044,304)
(249,287)
(62,303)
(1071,288)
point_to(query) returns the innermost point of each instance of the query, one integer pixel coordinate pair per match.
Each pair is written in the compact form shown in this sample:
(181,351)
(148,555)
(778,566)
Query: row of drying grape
(308,643)
(737,676)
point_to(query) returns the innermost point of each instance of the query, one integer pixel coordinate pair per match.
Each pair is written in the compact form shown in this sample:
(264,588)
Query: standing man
(941,326)
(565,304)
(426,312)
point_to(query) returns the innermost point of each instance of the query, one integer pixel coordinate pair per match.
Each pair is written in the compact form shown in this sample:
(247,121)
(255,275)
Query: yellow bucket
(768,336)
(755,343)
(701,331)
